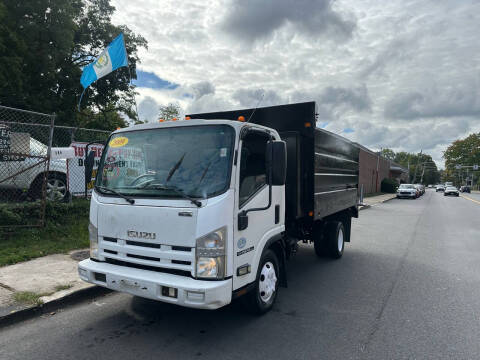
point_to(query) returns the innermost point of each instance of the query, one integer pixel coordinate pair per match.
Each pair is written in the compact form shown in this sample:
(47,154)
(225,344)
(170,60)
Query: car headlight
(93,235)
(210,256)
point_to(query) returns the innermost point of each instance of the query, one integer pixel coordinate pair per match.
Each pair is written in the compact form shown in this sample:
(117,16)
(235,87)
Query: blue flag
(112,58)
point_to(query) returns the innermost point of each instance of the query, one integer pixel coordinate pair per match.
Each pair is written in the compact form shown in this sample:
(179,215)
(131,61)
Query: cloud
(148,109)
(400,74)
(203,88)
(252,20)
(452,101)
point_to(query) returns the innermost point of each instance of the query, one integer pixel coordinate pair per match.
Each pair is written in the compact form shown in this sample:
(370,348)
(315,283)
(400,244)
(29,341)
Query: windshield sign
(192,161)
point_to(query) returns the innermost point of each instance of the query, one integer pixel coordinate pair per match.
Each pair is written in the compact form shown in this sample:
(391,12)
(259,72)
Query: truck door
(253,192)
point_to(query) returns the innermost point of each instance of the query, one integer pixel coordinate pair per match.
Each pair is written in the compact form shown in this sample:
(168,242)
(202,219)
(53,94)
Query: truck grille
(151,255)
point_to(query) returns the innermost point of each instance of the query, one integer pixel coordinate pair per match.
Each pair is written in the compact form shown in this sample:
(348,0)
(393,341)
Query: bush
(30,212)
(389,186)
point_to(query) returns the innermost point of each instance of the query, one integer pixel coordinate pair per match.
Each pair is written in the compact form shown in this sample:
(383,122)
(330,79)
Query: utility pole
(416,166)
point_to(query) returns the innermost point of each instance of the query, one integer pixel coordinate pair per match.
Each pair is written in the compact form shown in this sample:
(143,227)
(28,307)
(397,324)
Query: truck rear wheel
(263,295)
(332,242)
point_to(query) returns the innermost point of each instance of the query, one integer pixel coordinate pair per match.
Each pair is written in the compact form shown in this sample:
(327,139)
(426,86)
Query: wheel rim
(56,189)
(340,240)
(267,282)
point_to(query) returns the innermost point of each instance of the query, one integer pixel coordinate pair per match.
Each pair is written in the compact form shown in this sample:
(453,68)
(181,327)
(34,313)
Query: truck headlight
(93,235)
(210,257)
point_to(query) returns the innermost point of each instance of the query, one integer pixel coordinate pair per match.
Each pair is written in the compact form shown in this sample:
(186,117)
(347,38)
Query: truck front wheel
(263,295)
(332,242)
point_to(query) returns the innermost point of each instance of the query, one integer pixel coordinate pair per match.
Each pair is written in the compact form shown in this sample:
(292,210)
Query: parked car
(430,186)
(29,176)
(408,191)
(451,190)
(440,188)
(464,189)
(421,189)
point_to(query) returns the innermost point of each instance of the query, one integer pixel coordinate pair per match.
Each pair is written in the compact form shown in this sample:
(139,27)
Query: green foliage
(66,229)
(419,164)
(389,186)
(168,112)
(388,154)
(462,152)
(44,45)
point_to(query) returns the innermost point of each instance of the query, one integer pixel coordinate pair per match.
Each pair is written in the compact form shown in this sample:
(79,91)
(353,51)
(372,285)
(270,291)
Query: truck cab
(177,239)
(200,211)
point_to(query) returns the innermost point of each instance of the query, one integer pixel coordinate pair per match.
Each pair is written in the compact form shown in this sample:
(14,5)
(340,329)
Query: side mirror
(276,158)
(89,161)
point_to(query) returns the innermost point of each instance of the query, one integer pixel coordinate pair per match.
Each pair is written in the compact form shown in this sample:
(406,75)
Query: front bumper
(190,292)
(409,195)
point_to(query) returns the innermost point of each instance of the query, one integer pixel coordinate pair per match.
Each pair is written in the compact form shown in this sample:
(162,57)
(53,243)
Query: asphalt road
(408,286)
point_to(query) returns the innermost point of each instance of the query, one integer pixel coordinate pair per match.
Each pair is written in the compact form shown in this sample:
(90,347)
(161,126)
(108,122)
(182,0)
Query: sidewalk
(33,283)
(375,200)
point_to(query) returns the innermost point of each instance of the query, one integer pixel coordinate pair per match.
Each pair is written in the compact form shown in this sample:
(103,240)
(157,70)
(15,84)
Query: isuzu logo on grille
(141,234)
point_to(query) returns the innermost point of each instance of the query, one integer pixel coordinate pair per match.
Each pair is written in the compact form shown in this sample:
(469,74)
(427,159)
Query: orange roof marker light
(118,128)
(188,118)
(174,119)
(241,118)
(307,124)
(161,120)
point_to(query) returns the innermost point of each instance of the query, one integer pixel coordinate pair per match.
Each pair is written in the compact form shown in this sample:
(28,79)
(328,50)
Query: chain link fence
(25,142)
(40,162)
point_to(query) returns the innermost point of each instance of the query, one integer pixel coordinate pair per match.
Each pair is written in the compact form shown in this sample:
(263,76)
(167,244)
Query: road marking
(466,197)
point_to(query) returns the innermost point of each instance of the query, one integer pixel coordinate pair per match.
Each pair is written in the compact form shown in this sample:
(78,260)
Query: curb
(366,206)
(70,299)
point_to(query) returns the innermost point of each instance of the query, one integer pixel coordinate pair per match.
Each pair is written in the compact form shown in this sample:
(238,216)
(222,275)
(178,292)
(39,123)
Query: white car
(29,175)
(451,190)
(408,191)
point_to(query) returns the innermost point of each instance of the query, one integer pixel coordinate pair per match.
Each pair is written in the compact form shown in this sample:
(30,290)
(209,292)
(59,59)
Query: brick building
(373,168)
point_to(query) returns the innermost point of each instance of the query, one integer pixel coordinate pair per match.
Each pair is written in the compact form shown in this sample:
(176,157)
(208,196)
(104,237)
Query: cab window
(253,174)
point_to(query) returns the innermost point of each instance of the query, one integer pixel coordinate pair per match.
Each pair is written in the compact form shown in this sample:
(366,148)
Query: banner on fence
(76,168)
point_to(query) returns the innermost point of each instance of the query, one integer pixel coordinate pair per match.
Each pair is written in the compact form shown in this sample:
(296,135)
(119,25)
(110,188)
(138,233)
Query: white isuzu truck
(201,211)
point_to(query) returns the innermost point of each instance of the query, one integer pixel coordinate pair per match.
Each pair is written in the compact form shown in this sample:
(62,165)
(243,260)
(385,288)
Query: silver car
(451,190)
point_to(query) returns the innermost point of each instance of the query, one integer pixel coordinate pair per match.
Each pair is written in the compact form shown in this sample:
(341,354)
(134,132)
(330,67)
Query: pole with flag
(114,56)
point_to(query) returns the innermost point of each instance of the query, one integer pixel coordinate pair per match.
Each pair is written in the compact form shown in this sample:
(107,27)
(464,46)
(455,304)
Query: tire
(262,297)
(332,243)
(56,187)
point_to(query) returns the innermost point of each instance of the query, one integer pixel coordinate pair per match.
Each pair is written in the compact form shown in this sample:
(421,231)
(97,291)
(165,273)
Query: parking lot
(407,287)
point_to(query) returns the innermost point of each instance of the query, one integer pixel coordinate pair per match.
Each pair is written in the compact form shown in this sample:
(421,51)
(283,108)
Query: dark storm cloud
(446,102)
(251,20)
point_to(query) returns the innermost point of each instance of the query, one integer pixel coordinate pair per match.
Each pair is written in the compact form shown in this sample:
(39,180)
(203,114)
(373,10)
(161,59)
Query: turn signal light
(241,118)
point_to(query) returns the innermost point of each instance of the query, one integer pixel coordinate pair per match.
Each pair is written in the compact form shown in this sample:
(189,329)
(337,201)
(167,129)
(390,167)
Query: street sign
(458,167)
(475,167)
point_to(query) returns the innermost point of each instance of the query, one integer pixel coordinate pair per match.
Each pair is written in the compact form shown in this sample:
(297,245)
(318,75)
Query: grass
(66,230)
(29,297)
(63,287)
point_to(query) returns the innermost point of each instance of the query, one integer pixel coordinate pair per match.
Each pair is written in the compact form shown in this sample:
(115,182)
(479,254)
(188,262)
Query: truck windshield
(169,162)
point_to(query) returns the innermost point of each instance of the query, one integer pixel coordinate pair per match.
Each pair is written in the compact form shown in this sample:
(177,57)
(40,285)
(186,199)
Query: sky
(393,74)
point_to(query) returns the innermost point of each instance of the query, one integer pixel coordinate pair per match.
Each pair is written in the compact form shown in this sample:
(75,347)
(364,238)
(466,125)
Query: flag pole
(134,97)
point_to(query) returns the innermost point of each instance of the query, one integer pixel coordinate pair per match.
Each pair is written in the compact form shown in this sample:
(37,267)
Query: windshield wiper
(175,167)
(173,188)
(103,188)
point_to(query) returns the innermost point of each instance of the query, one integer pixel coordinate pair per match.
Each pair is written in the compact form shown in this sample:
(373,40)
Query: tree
(388,154)
(44,45)
(169,112)
(418,165)
(462,152)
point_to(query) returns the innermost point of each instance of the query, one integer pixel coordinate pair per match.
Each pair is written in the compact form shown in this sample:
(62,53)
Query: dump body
(322,167)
